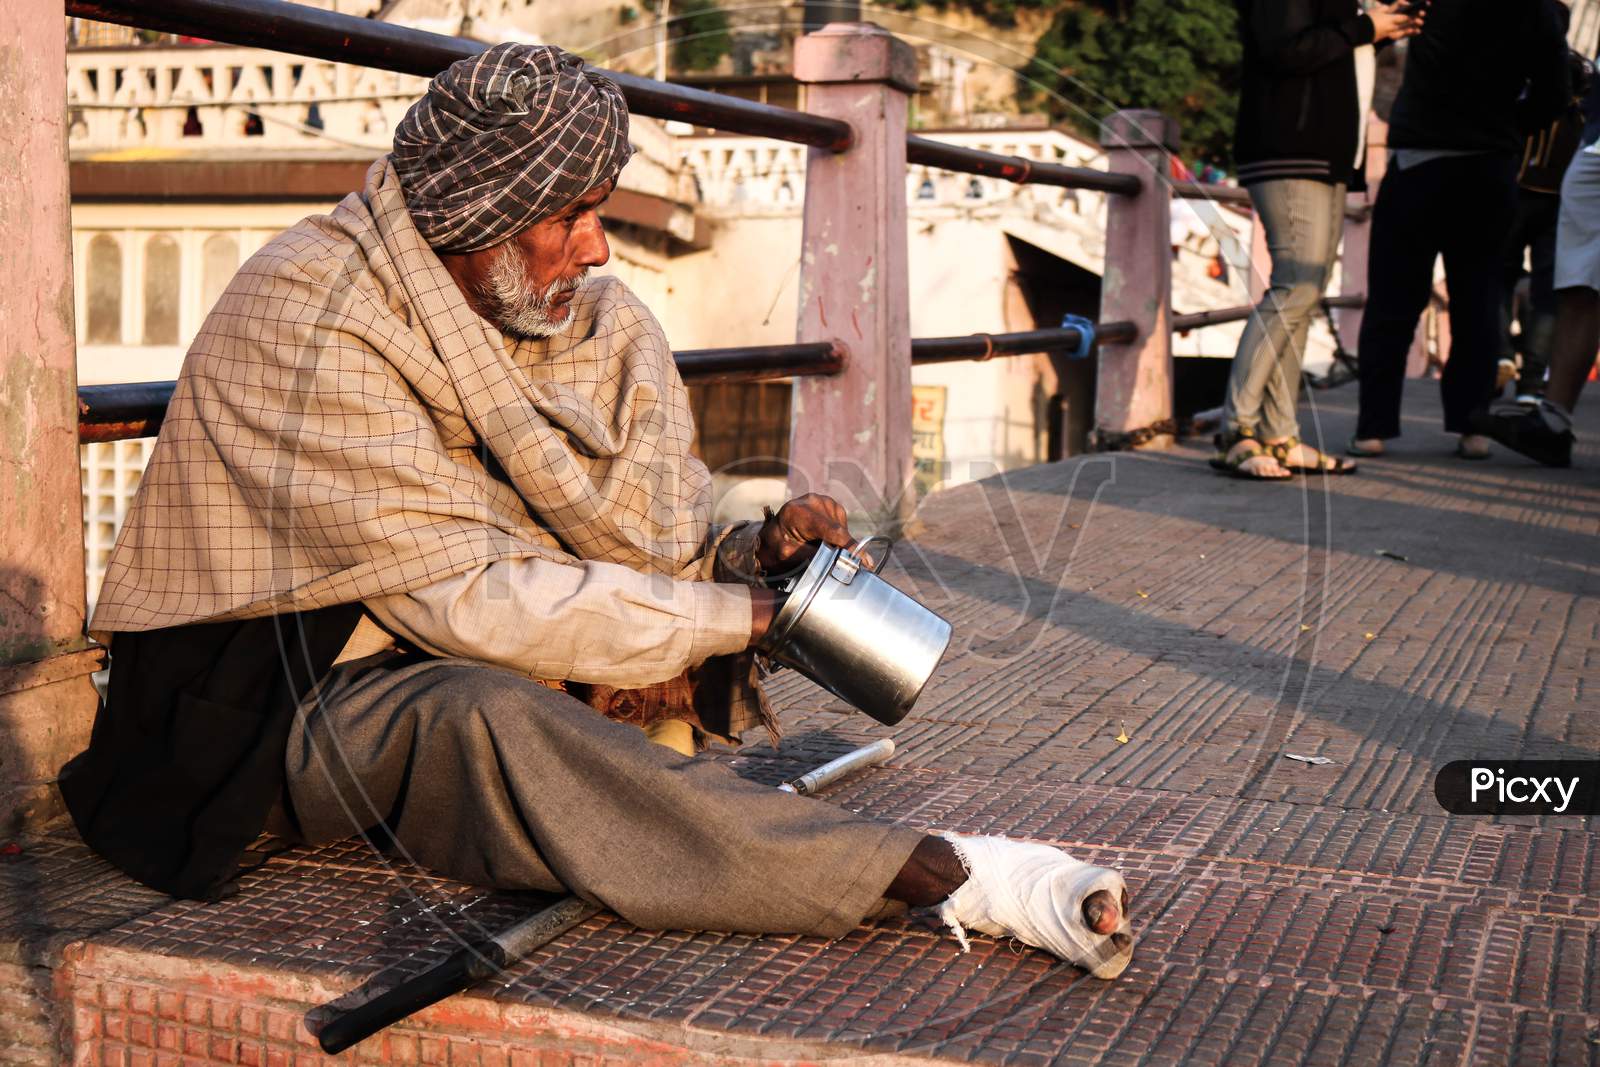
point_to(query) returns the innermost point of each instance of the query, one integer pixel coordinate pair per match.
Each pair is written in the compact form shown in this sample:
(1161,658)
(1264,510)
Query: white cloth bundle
(1035,893)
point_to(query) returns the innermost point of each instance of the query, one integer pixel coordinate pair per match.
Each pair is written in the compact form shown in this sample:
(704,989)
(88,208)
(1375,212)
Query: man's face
(526,284)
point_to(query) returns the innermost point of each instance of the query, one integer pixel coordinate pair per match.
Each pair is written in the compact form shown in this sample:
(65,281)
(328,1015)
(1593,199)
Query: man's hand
(1397,20)
(788,538)
(764,607)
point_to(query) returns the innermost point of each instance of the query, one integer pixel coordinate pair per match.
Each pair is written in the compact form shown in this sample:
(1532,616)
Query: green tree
(700,34)
(999,12)
(1177,56)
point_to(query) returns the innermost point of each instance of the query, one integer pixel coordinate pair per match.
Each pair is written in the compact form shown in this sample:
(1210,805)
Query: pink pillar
(1417,356)
(46,698)
(1441,334)
(1353,257)
(1353,267)
(1135,380)
(852,432)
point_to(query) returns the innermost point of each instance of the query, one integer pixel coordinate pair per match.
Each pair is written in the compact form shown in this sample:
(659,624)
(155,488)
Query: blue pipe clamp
(1085,330)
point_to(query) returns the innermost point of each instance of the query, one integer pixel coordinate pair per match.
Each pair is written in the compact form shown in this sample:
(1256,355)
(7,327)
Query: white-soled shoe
(1035,893)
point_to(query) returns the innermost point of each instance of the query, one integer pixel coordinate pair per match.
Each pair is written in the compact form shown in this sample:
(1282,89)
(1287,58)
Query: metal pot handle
(859,547)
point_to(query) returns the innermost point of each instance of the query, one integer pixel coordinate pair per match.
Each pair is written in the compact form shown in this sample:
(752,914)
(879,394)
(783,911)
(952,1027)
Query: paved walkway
(1140,642)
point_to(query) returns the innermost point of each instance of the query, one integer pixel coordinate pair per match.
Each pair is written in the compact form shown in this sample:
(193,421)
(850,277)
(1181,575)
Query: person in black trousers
(1543,432)
(1480,76)
(1544,161)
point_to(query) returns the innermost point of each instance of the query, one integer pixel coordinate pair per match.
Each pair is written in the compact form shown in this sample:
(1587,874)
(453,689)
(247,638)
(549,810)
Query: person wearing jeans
(1308,78)
(1482,75)
(1303,220)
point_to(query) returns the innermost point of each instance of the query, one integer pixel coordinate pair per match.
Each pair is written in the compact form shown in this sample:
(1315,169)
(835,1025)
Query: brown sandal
(1324,463)
(1233,465)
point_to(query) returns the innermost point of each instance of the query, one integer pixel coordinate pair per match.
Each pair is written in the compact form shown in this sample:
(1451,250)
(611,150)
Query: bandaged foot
(1037,894)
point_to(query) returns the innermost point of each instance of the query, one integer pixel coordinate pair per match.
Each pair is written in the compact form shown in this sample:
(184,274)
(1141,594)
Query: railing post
(1134,390)
(852,432)
(1353,267)
(1358,232)
(47,700)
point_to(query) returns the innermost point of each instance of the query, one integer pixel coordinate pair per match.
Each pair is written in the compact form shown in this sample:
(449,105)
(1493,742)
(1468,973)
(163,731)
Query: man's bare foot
(1365,446)
(934,872)
(1042,897)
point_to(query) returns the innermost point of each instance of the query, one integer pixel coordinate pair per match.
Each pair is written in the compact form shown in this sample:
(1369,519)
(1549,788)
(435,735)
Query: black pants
(1460,207)
(1533,231)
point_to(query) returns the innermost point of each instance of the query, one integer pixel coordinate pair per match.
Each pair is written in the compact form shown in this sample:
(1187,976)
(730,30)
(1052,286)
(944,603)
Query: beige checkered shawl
(345,427)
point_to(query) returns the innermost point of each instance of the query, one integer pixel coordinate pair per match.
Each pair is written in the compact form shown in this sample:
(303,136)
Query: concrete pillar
(46,698)
(852,432)
(1439,306)
(1358,232)
(1134,389)
(1353,267)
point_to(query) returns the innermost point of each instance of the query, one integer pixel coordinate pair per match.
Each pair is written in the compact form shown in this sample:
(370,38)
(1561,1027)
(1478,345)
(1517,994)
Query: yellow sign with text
(927,434)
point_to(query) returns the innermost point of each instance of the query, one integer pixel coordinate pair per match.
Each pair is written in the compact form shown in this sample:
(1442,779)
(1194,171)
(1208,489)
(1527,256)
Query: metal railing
(313,32)
(1195,320)
(135,409)
(1234,194)
(116,412)
(1222,194)
(924,152)
(308,31)
(982,346)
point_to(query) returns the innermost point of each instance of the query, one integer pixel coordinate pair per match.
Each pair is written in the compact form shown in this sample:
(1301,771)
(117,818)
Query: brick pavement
(1288,913)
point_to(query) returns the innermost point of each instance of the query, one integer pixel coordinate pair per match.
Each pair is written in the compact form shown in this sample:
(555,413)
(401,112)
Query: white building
(186,158)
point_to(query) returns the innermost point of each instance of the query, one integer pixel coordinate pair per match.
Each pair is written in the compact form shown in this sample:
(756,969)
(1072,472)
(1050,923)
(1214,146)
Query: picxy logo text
(1519,787)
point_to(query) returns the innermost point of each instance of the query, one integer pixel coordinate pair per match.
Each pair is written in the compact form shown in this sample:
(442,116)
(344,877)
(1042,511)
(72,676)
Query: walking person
(1309,70)
(1479,77)
(1529,298)
(1543,432)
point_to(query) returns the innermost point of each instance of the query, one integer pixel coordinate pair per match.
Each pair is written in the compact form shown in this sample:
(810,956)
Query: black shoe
(1524,430)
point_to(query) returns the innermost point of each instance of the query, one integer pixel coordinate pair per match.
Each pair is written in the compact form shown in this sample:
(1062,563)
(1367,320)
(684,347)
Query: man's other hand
(788,538)
(764,607)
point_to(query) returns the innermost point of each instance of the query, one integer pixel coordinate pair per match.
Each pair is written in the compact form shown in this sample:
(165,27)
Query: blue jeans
(1303,221)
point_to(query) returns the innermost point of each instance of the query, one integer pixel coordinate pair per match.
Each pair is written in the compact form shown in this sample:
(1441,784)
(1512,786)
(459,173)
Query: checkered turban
(503,139)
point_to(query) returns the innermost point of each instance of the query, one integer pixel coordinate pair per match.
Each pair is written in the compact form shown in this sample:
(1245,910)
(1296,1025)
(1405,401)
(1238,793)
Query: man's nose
(593,250)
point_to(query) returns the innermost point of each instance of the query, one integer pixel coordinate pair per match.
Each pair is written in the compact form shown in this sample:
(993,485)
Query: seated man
(422,525)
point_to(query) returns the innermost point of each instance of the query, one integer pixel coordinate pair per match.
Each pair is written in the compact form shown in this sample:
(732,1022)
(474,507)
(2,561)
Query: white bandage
(1035,893)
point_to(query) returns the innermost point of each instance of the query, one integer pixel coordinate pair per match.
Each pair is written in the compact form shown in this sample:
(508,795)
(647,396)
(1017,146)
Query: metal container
(856,635)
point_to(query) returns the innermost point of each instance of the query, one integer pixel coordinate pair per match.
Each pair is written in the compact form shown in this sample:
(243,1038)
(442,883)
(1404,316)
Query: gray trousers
(1303,220)
(489,777)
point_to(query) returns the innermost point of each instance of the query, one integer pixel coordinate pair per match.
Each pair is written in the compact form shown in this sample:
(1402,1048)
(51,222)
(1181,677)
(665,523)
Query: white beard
(514,302)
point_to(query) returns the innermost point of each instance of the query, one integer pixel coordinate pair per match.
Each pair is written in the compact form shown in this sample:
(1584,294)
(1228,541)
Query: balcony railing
(135,409)
(850,166)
